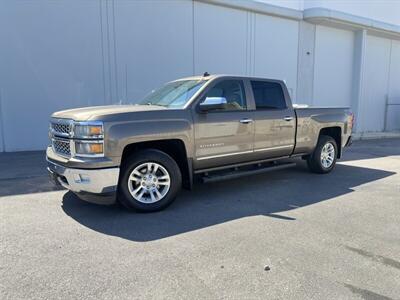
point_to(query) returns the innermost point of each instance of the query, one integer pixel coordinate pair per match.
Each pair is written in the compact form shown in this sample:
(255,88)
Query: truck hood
(94,112)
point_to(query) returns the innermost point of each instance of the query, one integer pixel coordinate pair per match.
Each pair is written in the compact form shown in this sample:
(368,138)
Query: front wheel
(150,181)
(323,159)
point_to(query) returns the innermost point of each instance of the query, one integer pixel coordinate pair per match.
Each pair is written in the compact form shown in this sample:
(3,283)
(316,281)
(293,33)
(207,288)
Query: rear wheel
(323,159)
(150,181)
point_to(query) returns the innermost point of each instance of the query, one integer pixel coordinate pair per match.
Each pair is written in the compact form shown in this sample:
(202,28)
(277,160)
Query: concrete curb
(375,135)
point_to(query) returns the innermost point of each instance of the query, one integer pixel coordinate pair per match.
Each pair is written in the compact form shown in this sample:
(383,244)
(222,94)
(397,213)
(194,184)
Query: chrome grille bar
(61,127)
(61,146)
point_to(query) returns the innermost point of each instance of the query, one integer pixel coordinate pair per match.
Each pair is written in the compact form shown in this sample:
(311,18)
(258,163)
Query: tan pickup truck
(209,127)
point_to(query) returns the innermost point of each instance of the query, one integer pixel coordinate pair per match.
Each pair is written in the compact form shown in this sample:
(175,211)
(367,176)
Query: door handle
(246,121)
(288,118)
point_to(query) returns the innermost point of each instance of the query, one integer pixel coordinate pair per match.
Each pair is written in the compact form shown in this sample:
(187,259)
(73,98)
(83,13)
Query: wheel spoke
(134,178)
(159,196)
(155,168)
(153,197)
(137,174)
(167,182)
(135,191)
(140,196)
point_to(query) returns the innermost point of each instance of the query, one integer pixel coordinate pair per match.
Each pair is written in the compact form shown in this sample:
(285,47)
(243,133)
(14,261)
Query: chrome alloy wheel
(327,155)
(149,182)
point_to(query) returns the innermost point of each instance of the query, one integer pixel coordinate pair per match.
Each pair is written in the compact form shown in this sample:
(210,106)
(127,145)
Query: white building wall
(71,53)
(333,67)
(50,59)
(276,49)
(376,82)
(153,44)
(393,109)
(220,39)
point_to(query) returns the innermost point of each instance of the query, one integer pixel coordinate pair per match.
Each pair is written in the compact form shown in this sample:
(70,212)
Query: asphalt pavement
(288,234)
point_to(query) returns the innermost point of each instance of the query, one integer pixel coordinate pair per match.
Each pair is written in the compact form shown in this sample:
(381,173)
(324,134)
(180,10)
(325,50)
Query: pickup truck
(208,127)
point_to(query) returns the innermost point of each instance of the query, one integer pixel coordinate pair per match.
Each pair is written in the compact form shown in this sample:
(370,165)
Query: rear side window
(268,95)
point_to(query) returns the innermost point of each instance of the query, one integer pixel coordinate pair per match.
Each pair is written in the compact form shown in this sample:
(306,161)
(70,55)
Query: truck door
(275,119)
(223,136)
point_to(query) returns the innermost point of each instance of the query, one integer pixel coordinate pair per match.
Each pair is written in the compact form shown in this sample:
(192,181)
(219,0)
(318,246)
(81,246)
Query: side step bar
(240,173)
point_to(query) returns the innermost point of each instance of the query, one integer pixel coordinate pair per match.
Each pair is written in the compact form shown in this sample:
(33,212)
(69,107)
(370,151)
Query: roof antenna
(206,74)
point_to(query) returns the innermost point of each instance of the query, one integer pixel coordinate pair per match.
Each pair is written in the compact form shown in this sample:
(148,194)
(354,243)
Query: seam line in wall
(108,54)
(387,88)
(312,100)
(126,82)
(363,68)
(299,29)
(247,40)
(250,43)
(102,51)
(254,42)
(3,140)
(115,51)
(193,41)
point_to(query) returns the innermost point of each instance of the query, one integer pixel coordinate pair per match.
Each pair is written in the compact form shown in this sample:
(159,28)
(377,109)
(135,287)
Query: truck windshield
(174,94)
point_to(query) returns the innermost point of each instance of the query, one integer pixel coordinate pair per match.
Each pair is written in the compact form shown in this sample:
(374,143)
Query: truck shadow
(368,149)
(271,195)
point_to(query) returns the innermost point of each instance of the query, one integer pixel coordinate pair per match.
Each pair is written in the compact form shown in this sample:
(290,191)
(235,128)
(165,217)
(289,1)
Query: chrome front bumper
(84,182)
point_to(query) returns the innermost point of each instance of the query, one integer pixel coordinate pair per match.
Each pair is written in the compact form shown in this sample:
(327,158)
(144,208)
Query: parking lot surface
(287,234)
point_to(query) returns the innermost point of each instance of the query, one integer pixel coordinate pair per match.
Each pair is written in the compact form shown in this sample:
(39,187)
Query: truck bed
(310,120)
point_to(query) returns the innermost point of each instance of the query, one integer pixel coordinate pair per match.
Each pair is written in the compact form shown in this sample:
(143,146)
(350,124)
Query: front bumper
(93,185)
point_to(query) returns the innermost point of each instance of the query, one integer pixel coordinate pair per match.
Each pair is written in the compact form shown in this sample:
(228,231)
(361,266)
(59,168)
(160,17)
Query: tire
(320,161)
(143,184)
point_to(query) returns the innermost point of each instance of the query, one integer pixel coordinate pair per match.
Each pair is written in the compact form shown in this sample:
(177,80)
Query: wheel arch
(174,148)
(334,132)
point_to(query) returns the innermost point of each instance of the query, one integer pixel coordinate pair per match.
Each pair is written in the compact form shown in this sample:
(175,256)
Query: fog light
(81,178)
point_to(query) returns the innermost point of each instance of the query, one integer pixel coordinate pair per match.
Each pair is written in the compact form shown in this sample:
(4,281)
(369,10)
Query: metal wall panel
(333,67)
(393,108)
(72,53)
(305,69)
(375,86)
(50,60)
(220,39)
(154,44)
(276,49)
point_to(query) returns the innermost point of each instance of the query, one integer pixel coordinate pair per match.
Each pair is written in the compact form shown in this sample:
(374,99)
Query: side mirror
(211,103)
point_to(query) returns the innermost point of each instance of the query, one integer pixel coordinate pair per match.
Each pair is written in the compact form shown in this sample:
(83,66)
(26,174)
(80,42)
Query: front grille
(61,127)
(62,146)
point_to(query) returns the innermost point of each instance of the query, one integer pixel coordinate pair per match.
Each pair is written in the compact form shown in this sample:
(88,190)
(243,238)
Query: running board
(241,173)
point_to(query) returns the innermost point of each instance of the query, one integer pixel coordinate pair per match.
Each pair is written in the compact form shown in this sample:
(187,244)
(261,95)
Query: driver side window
(232,91)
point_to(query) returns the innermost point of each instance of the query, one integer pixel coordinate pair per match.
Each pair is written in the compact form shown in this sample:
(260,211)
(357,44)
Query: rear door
(275,120)
(224,136)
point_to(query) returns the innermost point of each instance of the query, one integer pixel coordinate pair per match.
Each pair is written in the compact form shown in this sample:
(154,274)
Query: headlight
(88,130)
(89,148)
